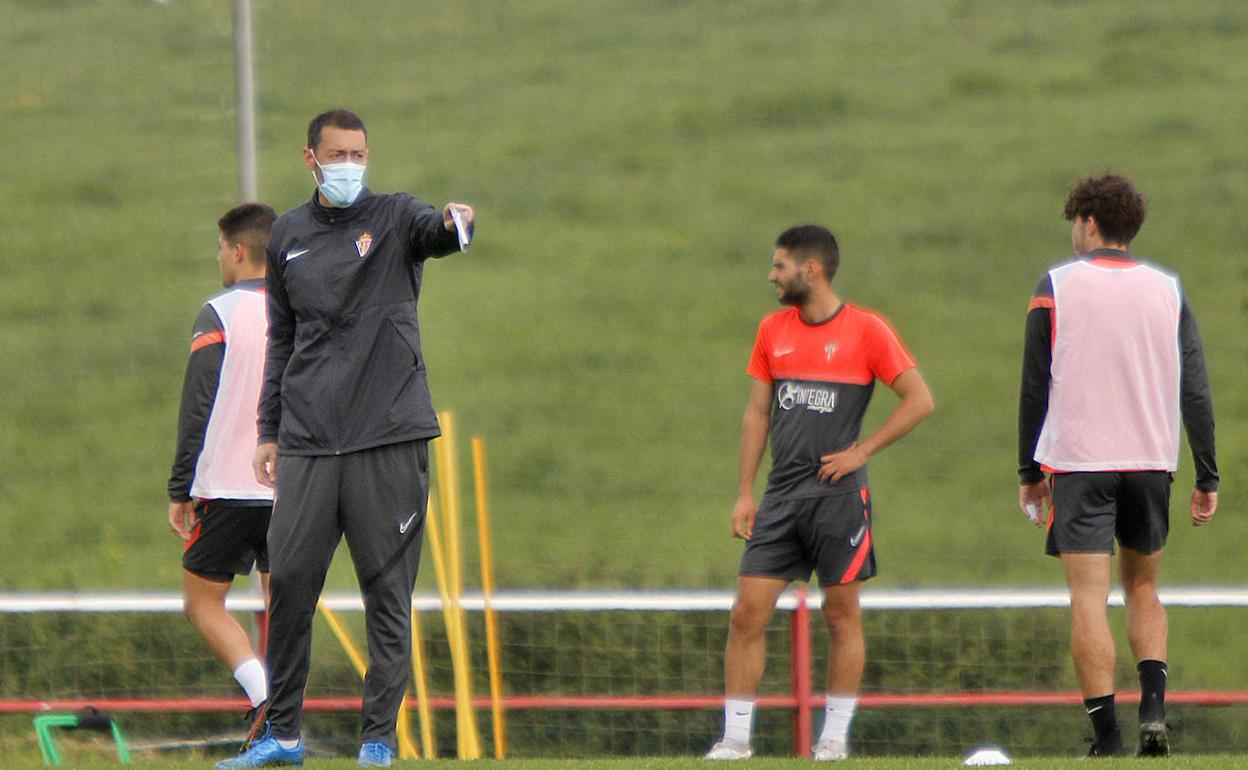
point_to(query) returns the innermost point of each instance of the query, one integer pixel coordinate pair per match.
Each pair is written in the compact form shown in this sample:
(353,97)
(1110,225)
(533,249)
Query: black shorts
(228,539)
(828,535)
(1091,509)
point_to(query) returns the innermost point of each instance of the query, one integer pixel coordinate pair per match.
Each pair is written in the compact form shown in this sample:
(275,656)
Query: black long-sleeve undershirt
(1033,399)
(1196,402)
(199,393)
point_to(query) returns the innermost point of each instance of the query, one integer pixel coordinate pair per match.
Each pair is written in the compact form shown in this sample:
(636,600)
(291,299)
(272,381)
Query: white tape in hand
(1034,511)
(460,229)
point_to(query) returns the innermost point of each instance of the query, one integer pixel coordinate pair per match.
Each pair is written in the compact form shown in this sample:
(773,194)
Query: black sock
(1152,690)
(1104,721)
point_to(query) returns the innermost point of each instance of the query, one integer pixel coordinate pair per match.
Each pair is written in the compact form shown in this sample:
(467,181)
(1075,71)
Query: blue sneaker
(375,754)
(265,752)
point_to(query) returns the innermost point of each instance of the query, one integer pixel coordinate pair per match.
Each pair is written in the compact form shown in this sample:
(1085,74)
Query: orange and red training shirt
(822,376)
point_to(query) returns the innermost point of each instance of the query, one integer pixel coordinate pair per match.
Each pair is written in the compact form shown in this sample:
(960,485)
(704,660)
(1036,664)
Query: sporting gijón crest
(363,244)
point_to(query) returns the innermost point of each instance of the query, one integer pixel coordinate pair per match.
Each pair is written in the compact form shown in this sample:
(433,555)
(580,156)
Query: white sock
(287,743)
(738,718)
(836,719)
(250,676)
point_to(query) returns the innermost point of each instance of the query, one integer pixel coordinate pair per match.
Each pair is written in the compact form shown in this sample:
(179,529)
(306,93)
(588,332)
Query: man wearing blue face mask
(346,407)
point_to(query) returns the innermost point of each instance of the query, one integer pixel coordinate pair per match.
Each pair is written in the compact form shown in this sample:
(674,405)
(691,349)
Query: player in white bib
(216,506)
(1112,364)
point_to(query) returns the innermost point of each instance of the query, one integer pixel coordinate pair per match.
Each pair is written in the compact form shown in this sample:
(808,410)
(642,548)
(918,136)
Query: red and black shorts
(228,539)
(1090,510)
(829,535)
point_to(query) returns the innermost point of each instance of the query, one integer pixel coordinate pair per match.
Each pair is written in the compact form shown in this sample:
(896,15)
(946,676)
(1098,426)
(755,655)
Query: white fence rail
(597,601)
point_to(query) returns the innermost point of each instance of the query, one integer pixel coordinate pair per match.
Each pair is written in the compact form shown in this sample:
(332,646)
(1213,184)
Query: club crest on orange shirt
(828,350)
(363,244)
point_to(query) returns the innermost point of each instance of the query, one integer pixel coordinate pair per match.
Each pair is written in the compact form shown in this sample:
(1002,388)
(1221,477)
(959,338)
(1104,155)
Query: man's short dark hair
(812,241)
(248,225)
(1113,202)
(338,118)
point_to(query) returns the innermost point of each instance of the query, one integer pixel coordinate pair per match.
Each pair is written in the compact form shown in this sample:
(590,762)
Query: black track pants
(375,497)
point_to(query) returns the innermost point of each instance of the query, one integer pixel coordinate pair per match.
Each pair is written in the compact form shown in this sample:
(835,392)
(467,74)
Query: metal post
(245,102)
(799,635)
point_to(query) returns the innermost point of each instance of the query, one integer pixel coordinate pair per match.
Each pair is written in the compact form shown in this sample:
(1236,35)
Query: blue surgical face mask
(342,182)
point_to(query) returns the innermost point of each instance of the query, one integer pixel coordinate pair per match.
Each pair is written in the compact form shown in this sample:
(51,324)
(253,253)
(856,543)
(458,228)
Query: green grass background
(631,164)
(1205,762)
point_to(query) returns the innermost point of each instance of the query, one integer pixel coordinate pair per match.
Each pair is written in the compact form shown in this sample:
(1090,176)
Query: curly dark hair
(1113,202)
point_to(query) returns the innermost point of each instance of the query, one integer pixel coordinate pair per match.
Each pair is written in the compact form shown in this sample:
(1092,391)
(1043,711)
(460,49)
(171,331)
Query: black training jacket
(344,370)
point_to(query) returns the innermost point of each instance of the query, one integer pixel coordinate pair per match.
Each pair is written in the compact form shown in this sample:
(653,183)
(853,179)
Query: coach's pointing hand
(465,213)
(264,464)
(743,517)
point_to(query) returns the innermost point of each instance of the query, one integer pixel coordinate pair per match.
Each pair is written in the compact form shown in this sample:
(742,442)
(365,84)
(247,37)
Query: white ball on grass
(987,755)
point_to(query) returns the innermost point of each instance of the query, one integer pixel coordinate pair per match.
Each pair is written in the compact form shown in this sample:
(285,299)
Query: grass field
(631,164)
(1203,762)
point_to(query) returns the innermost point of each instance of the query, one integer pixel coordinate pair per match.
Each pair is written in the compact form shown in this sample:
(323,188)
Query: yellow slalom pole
(487,591)
(458,660)
(422,690)
(406,749)
(441,559)
(344,639)
(403,732)
(448,485)
(468,742)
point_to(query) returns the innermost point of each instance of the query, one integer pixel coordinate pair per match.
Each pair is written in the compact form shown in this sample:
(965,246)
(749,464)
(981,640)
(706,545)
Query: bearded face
(793,290)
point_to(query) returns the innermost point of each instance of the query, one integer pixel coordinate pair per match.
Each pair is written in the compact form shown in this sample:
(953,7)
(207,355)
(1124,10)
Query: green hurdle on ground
(89,720)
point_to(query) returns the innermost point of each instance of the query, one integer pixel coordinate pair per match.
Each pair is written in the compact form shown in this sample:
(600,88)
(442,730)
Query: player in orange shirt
(814,367)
